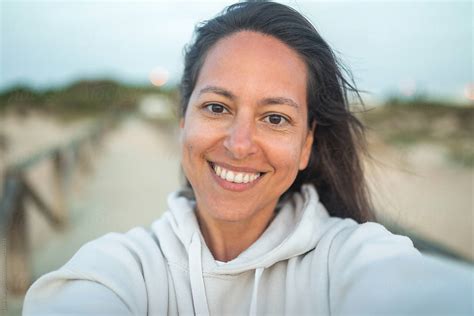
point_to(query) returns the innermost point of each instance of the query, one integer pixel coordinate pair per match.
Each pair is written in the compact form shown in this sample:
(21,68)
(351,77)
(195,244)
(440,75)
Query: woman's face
(245,134)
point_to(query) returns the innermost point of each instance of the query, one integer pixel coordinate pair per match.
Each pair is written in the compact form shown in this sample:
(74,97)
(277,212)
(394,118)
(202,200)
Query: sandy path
(420,191)
(134,174)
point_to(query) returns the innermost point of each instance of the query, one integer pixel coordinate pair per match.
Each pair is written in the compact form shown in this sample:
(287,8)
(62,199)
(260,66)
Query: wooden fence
(18,192)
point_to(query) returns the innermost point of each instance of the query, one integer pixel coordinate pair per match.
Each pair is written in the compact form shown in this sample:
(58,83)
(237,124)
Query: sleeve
(373,272)
(64,293)
(105,277)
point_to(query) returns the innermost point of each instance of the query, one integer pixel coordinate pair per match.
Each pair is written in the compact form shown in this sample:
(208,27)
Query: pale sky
(390,46)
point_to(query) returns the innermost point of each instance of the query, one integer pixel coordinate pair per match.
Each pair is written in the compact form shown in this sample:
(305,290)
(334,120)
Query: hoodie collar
(296,229)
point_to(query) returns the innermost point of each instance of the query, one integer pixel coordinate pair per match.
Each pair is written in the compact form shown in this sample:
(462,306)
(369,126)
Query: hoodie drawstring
(198,290)
(254,301)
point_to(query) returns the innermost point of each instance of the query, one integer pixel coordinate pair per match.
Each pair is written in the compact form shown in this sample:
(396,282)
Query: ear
(308,144)
(181,123)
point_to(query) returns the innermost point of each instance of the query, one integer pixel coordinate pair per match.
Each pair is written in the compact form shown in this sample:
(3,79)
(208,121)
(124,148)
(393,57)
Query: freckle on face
(252,66)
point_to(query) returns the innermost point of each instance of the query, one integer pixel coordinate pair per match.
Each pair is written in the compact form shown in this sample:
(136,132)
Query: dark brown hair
(335,166)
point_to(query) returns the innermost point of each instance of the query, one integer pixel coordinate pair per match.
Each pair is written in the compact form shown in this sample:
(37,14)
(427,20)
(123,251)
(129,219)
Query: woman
(275,217)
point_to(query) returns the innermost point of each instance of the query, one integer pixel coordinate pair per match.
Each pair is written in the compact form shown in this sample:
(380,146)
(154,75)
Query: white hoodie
(306,262)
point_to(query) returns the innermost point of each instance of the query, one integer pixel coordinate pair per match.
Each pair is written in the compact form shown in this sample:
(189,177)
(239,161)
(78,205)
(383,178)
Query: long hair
(335,166)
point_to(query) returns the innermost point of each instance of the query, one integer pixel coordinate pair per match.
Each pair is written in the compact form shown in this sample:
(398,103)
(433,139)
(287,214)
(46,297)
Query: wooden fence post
(60,179)
(84,153)
(18,248)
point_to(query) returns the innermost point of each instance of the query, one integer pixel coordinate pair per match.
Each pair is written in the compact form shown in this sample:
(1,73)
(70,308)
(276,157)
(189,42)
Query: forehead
(251,64)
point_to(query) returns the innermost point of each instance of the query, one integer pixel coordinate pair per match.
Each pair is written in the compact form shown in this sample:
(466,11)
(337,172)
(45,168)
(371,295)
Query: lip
(231,186)
(236,169)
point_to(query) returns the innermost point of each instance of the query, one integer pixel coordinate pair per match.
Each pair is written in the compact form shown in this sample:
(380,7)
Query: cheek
(189,143)
(195,142)
(286,156)
(189,155)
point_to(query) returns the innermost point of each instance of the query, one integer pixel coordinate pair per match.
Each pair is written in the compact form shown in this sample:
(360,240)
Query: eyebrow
(280,100)
(267,101)
(221,91)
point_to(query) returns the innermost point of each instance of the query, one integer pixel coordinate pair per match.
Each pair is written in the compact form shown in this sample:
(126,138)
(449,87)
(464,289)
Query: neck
(228,239)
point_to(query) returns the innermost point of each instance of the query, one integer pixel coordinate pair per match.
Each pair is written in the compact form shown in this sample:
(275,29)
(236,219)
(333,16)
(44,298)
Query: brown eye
(276,119)
(216,108)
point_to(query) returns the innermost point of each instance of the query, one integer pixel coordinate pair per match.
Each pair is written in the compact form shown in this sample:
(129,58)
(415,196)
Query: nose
(240,142)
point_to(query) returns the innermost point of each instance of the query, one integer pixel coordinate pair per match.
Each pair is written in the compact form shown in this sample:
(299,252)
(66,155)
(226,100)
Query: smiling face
(245,134)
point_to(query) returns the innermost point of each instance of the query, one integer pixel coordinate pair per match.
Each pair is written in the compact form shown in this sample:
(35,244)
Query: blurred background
(88,131)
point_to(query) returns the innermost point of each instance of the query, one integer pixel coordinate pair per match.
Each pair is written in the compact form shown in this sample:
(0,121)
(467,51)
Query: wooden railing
(18,192)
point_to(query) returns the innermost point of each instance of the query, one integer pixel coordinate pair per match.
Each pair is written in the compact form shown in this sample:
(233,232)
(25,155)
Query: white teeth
(229,176)
(223,173)
(236,177)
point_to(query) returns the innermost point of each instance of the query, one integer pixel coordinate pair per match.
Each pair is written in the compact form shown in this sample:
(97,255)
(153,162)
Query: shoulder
(355,243)
(132,250)
(340,238)
(115,267)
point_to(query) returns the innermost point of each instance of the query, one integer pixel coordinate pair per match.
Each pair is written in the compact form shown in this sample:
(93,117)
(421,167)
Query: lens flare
(159,76)
(469,91)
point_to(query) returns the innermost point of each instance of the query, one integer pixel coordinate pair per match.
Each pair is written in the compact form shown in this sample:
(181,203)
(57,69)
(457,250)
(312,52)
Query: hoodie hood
(298,225)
